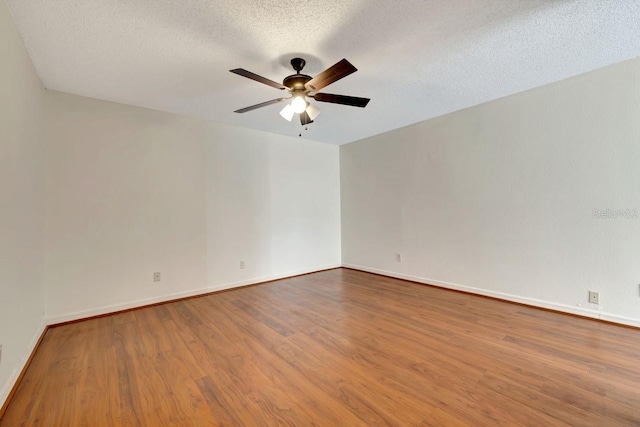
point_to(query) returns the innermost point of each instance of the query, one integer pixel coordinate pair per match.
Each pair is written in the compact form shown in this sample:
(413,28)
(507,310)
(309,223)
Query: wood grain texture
(339,347)
(13,390)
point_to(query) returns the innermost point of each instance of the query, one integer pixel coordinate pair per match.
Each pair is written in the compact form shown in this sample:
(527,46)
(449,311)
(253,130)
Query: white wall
(21,204)
(499,198)
(132,191)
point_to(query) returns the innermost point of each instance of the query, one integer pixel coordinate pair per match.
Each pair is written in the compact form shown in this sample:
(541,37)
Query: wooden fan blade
(354,101)
(248,74)
(330,75)
(305,119)
(262,104)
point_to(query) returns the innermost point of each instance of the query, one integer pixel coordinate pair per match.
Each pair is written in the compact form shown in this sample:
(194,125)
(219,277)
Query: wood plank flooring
(335,348)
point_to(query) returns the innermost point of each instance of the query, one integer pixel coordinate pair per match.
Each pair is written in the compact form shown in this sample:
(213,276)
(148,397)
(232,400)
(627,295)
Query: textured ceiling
(417,59)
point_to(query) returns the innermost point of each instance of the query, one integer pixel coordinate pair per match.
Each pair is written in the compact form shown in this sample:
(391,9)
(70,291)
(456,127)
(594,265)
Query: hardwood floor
(335,348)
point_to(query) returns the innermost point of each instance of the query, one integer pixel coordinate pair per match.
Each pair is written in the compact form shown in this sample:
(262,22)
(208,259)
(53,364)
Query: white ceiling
(417,59)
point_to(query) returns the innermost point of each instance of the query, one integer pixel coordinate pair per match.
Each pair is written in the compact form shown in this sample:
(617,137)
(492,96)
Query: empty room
(342,213)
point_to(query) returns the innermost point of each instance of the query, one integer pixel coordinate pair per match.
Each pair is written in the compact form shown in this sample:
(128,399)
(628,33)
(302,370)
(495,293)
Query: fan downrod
(298,64)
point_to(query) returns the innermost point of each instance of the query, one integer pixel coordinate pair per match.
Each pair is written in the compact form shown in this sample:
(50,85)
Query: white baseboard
(8,385)
(595,314)
(620,319)
(178,295)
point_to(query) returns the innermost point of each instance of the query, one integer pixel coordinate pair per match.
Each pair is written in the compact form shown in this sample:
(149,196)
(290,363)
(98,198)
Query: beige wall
(132,191)
(21,204)
(498,199)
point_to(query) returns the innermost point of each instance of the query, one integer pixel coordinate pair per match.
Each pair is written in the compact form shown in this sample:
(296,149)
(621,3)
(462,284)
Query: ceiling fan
(301,86)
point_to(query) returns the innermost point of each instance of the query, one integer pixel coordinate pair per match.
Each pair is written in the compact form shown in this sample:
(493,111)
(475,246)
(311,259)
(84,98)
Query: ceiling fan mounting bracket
(298,64)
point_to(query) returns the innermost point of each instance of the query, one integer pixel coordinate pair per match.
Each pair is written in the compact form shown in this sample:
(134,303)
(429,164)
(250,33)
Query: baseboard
(547,305)
(622,320)
(101,311)
(11,385)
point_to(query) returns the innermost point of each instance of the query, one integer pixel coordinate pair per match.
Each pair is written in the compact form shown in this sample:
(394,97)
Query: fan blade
(305,119)
(248,74)
(262,104)
(354,101)
(330,75)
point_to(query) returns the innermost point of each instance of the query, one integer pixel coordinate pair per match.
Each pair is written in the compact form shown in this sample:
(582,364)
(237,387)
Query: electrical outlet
(156,276)
(241,265)
(594,297)
(398,257)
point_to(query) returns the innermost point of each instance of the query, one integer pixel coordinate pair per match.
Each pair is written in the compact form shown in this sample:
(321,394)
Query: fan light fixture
(287,113)
(312,112)
(299,104)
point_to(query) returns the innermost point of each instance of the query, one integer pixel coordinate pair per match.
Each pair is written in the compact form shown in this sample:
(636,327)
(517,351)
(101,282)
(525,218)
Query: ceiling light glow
(299,104)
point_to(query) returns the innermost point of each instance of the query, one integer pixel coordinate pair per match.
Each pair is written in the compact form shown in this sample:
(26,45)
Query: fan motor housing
(296,81)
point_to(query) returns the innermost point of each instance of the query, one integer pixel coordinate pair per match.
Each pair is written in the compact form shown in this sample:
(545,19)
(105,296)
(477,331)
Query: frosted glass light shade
(299,104)
(312,112)
(287,112)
